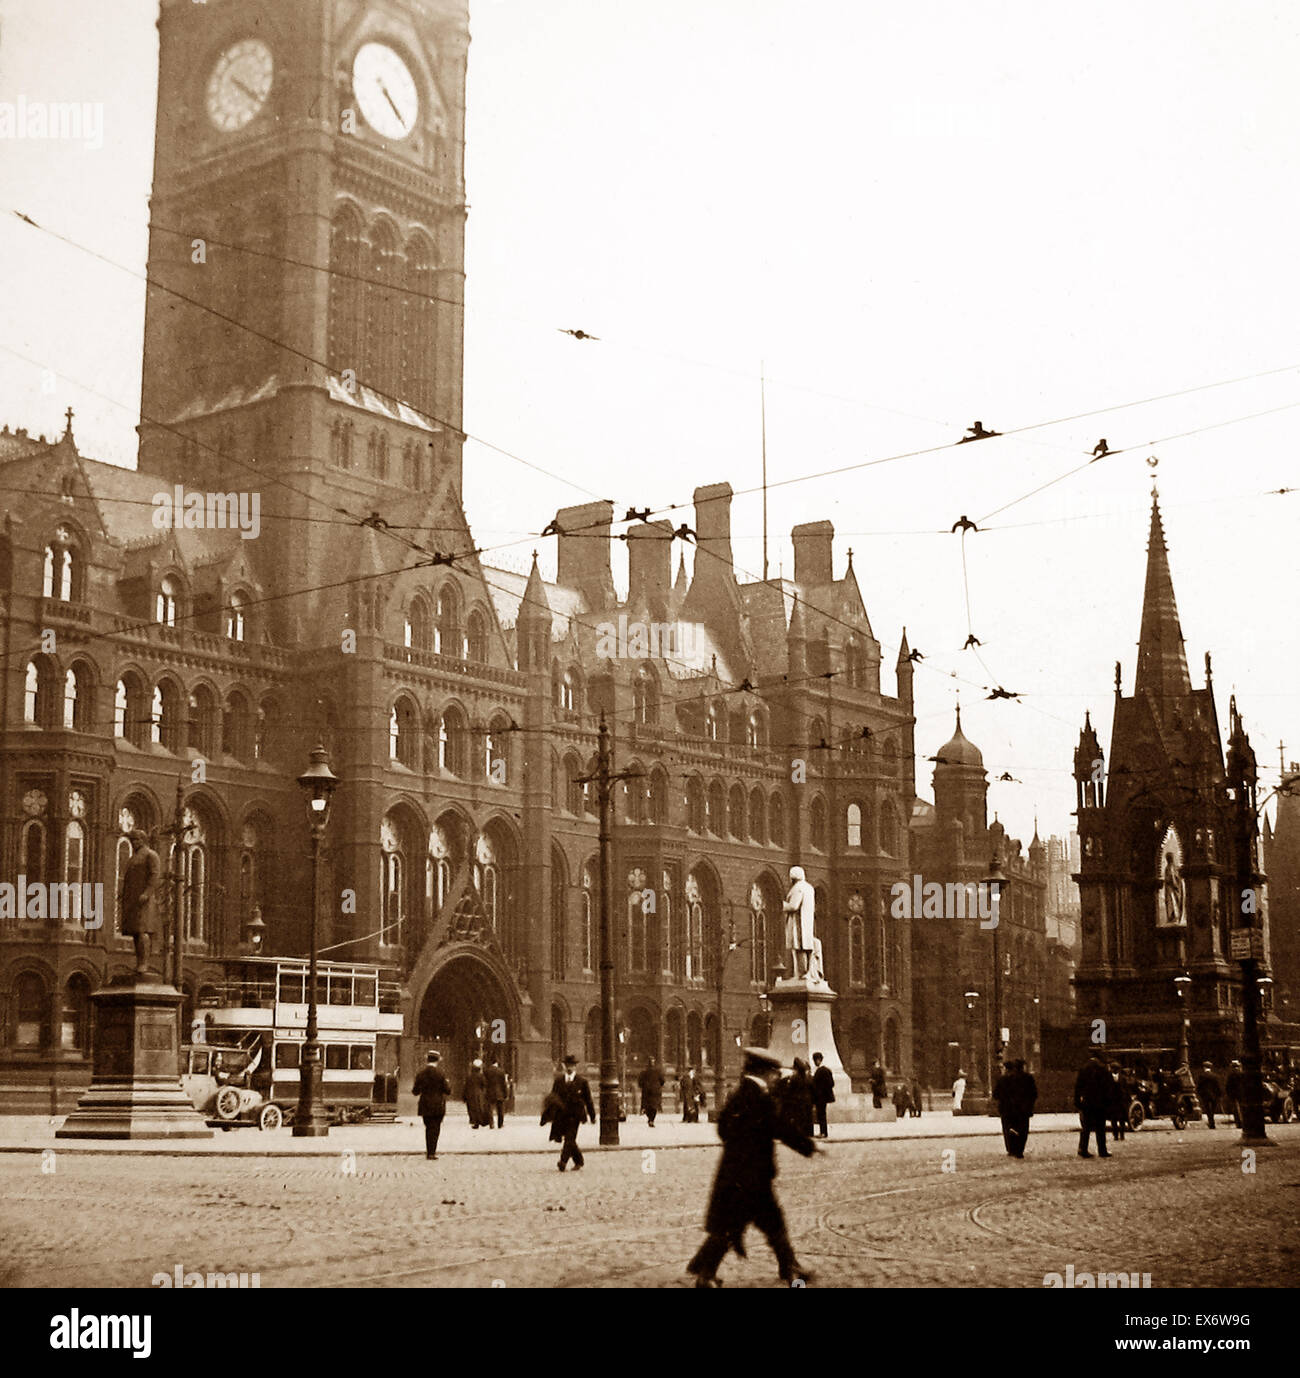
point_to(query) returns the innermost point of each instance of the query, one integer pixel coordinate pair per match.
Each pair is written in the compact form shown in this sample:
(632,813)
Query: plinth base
(135,1091)
(801,1026)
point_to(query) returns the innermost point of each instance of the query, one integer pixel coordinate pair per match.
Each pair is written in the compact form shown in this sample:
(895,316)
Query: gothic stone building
(185,670)
(970,981)
(1158,870)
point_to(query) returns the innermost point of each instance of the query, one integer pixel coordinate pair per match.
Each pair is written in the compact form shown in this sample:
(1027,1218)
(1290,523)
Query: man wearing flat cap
(749,1126)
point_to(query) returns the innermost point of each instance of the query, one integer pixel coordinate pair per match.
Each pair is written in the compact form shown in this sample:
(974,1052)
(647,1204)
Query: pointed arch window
(448,629)
(476,638)
(817,824)
(62,573)
(38,693)
(854,825)
(235,615)
(757,934)
(345,290)
(588,887)
(167,604)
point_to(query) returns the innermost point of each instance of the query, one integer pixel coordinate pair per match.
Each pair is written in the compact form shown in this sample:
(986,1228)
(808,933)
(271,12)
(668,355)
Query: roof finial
(1153,463)
(67,434)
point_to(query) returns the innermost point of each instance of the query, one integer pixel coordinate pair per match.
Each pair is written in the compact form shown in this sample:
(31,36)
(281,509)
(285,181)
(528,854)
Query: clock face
(240,84)
(385,90)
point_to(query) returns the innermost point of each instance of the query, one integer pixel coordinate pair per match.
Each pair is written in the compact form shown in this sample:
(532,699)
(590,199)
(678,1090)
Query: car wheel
(269,1117)
(227,1103)
(1179,1119)
(1288,1110)
(1136,1116)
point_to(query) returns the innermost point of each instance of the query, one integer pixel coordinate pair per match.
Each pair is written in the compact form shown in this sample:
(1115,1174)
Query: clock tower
(304,318)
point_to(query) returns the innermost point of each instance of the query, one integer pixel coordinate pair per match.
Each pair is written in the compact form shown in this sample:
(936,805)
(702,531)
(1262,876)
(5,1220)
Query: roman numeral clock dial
(385,90)
(240,84)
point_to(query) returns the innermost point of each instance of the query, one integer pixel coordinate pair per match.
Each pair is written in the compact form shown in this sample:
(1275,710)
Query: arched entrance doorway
(465,1013)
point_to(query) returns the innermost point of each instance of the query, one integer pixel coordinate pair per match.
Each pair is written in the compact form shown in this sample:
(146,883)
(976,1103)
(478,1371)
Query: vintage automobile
(1279,1101)
(1155,1092)
(218,1082)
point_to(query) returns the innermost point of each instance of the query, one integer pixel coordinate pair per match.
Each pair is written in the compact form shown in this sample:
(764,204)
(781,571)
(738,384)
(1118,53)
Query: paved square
(867,1213)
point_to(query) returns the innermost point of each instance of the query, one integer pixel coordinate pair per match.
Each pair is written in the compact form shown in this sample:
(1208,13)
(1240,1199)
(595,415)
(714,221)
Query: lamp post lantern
(318,783)
(973,1080)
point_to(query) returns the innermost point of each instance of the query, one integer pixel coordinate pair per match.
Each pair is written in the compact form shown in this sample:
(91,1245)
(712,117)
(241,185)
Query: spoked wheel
(269,1117)
(228,1103)
(1179,1119)
(1136,1116)
(1288,1110)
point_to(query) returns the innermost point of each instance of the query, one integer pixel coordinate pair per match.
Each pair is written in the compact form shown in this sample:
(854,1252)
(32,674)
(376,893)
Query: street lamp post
(997,885)
(1182,984)
(973,1080)
(318,783)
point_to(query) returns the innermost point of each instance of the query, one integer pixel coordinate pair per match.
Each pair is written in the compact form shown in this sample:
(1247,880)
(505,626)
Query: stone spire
(1162,664)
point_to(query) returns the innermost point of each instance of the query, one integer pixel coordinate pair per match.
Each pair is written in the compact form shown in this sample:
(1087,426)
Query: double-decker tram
(259,1012)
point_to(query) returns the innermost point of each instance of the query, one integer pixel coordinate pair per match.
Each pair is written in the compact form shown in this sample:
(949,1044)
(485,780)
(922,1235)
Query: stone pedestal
(801,1026)
(135,1089)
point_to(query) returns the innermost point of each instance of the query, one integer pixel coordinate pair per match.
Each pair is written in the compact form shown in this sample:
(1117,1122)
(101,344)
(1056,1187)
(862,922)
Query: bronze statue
(137,900)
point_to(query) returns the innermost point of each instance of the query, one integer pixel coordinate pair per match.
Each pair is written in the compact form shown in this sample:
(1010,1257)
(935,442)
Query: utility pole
(1242,780)
(609,1082)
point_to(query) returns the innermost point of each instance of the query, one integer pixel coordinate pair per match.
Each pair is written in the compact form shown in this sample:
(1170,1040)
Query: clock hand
(401,119)
(252,95)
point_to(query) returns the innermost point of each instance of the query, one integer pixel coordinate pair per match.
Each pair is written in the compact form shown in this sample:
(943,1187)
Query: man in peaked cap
(749,1126)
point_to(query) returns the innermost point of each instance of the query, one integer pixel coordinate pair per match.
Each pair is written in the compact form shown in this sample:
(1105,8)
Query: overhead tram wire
(297,353)
(1011,432)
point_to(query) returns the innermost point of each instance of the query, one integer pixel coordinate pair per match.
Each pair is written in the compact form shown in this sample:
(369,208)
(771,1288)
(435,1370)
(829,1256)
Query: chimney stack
(649,564)
(713,531)
(812,552)
(584,551)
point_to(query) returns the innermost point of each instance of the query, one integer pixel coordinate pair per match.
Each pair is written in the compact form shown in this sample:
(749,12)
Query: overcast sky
(910,216)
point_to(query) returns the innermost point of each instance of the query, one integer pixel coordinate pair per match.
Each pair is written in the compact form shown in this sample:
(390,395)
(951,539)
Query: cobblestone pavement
(864,1213)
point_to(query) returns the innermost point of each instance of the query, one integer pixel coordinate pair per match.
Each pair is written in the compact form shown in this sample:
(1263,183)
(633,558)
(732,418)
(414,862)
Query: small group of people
(486,1091)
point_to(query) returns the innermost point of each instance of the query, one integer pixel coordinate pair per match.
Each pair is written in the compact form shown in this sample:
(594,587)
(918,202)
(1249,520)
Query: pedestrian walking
(692,1096)
(1117,1110)
(958,1091)
(877,1086)
(433,1089)
(496,1088)
(902,1100)
(794,1097)
(476,1094)
(743,1195)
(1236,1089)
(567,1107)
(1016,1093)
(651,1082)
(1210,1092)
(916,1099)
(1092,1097)
(823,1093)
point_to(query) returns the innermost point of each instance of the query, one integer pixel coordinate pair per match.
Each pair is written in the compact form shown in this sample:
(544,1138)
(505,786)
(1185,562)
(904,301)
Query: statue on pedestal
(137,903)
(800,905)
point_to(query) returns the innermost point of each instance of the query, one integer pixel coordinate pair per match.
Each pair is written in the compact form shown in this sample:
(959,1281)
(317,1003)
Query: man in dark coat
(136,901)
(877,1086)
(916,1098)
(1016,1093)
(570,1106)
(1210,1093)
(794,1097)
(749,1126)
(432,1088)
(1093,1090)
(823,1093)
(651,1082)
(495,1090)
(1236,1088)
